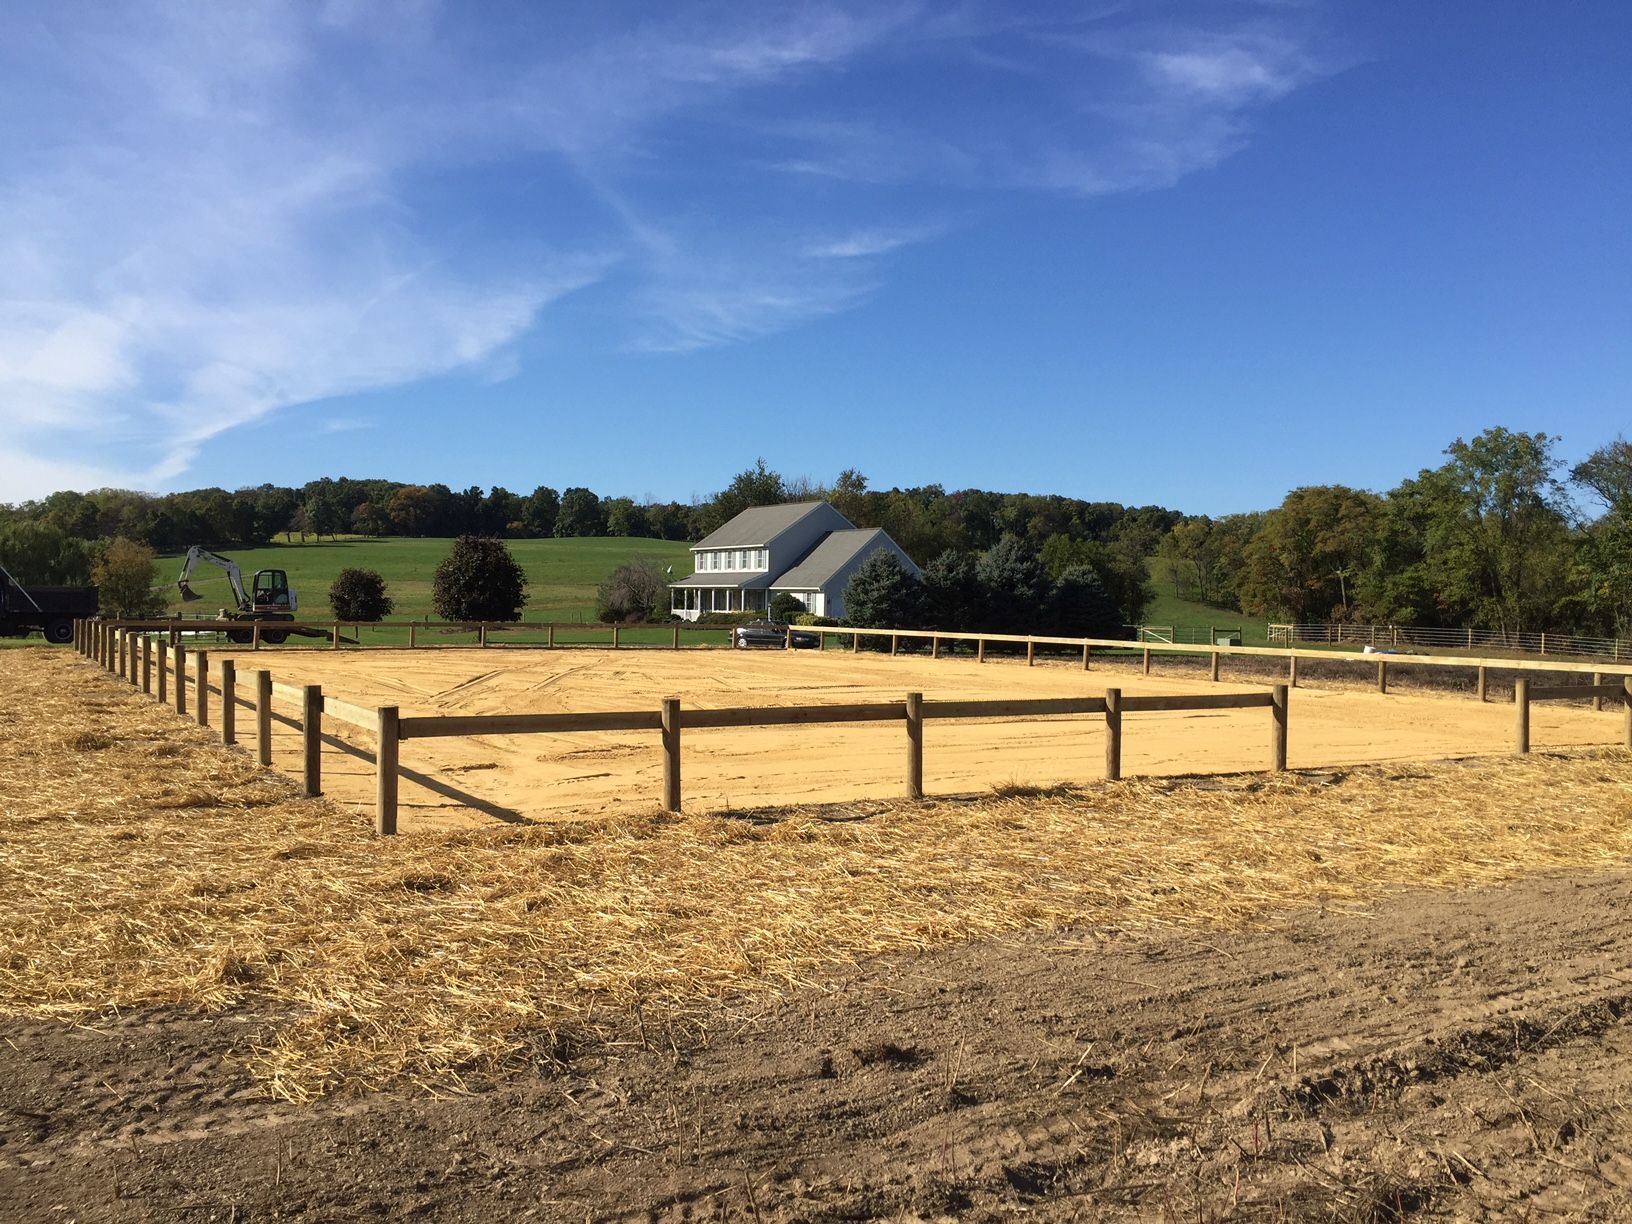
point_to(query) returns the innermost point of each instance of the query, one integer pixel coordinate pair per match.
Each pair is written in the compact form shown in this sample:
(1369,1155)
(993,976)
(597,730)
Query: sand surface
(451,782)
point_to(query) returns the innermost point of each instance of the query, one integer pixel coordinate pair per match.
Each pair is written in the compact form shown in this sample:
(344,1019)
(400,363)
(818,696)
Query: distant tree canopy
(479,580)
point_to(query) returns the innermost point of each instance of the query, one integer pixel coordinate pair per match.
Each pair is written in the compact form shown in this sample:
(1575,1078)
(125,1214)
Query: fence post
(413,635)
(255,636)
(1214,676)
(147,664)
(1031,653)
(1292,671)
(549,639)
(980,650)
(1382,676)
(229,702)
(335,640)
(124,642)
(915,745)
(201,681)
(1085,656)
(385,773)
(1521,716)
(616,630)
(181,680)
(895,644)
(481,634)
(787,638)
(671,754)
(311,729)
(855,643)
(1277,713)
(1626,700)
(935,647)
(163,648)
(675,644)
(1597,698)
(263,717)
(1113,734)
(1484,682)
(1147,660)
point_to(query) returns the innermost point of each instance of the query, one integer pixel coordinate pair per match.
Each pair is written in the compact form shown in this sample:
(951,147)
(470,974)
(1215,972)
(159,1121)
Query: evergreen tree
(882,594)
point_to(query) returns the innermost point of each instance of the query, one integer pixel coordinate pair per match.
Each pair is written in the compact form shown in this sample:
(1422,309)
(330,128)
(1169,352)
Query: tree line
(1500,536)
(57,538)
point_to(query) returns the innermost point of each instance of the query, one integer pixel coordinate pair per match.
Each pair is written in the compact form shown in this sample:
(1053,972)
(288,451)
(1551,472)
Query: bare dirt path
(456,782)
(1442,1056)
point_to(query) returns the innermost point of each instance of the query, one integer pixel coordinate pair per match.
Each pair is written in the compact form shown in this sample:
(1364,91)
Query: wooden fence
(117,650)
(157,667)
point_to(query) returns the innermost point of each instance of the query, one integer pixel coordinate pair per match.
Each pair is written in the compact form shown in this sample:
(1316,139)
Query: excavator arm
(235,576)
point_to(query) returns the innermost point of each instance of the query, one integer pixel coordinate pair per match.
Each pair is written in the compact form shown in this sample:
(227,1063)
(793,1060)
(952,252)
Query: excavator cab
(269,591)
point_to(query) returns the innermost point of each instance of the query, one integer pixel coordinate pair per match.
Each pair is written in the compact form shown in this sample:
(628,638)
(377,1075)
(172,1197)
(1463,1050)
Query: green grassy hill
(562,574)
(1169,609)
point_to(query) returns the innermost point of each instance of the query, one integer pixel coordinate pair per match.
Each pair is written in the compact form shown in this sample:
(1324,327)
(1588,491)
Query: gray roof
(749,582)
(757,526)
(828,558)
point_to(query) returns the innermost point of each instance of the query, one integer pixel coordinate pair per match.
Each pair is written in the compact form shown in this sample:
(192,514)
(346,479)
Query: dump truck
(50,610)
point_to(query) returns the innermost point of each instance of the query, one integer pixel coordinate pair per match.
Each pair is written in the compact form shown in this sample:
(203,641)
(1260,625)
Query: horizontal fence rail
(671,719)
(1614,649)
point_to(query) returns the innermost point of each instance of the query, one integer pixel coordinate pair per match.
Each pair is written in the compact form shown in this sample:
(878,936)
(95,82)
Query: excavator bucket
(187,592)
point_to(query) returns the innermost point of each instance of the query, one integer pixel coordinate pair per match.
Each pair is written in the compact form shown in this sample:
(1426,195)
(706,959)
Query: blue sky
(1189,254)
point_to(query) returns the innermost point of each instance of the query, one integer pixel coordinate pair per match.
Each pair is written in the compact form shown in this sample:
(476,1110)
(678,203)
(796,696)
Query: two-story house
(808,549)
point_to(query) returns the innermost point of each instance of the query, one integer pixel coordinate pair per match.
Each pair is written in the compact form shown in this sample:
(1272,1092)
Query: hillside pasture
(562,574)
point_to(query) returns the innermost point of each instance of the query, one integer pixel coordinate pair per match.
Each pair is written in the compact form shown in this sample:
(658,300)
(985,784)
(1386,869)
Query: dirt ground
(1442,1056)
(454,782)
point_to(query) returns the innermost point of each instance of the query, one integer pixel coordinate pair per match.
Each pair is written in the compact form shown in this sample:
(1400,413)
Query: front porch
(693,602)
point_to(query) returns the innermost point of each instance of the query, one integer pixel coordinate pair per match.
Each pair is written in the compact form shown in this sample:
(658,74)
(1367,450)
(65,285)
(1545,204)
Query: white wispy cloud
(872,241)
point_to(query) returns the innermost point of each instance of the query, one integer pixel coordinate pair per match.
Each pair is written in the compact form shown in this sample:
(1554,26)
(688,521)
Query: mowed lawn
(562,574)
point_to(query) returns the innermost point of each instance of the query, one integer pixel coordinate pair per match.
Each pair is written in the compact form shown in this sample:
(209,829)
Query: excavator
(268,598)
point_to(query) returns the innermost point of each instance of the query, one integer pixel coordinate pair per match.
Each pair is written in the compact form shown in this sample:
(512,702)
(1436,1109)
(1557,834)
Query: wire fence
(1453,639)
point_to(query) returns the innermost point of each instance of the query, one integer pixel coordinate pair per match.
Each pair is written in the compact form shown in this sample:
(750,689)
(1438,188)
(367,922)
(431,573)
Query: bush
(631,594)
(359,595)
(784,607)
(126,575)
(479,581)
(730,618)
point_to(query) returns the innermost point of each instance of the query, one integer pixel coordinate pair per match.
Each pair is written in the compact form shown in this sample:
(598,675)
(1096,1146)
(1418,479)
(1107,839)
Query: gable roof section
(828,558)
(757,526)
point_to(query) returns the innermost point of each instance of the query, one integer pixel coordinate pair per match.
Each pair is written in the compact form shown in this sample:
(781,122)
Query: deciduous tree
(479,580)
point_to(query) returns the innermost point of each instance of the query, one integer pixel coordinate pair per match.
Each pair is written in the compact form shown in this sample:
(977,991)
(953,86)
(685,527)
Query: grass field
(1169,609)
(562,574)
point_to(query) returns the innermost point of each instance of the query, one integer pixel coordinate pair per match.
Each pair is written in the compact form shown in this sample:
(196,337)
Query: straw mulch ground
(140,863)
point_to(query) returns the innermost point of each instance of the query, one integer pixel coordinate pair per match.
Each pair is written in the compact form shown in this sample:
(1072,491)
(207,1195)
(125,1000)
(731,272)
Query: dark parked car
(772,634)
